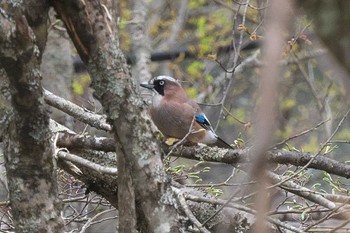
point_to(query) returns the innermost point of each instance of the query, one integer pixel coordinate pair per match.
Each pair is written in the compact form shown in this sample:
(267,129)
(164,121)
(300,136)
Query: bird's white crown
(163,77)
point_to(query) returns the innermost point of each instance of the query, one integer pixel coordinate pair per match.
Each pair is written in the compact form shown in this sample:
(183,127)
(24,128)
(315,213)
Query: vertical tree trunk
(28,153)
(141,180)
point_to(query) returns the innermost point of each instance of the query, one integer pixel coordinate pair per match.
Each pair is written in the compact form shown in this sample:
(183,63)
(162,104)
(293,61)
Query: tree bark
(142,181)
(28,149)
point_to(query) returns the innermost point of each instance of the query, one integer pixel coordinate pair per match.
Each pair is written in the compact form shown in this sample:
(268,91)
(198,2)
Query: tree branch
(77,141)
(188,212)
(87,163)
(81,114)
(306,193)
(240,207)
(214,154)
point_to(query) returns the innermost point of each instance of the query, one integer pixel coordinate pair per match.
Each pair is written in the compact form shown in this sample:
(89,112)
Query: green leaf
(192,92)
(195,69)
(77,88)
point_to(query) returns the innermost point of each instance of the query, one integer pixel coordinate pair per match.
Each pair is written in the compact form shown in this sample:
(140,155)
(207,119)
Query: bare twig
(90,221)
(4,203)
(239,207)
(300,191)
(177,26)
(340,226)
(231,115)
(320,150)
(233,60)
(299,134)
(188,212)
(310,84)
(328,215)
(222,207)
(340,141)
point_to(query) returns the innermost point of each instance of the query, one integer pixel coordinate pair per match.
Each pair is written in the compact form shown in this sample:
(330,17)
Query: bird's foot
(171,141)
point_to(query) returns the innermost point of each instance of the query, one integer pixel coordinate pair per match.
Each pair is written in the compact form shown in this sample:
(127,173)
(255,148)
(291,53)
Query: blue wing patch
(203,121)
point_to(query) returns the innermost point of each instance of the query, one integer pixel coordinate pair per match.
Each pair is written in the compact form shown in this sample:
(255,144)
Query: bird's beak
(147,85)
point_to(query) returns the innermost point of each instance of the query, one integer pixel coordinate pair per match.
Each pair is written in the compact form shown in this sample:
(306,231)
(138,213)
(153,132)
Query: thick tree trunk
(142,181)
(28,148)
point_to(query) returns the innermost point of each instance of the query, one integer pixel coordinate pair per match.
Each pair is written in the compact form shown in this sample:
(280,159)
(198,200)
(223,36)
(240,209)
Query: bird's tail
(222,144)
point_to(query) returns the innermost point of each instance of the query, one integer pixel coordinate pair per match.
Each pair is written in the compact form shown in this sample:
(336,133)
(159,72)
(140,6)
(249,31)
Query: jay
(173,112)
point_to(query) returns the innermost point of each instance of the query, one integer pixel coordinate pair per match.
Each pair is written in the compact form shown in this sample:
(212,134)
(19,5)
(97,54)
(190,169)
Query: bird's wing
(203,121)
(200,117)
(173,119)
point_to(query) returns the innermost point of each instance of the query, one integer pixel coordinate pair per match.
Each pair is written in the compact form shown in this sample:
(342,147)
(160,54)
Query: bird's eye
(161,82)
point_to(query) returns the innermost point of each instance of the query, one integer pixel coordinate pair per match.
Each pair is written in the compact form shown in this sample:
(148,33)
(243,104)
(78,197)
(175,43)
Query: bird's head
(163,85)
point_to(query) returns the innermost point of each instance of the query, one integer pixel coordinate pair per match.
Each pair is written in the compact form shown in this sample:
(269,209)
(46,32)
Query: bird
(173,112)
